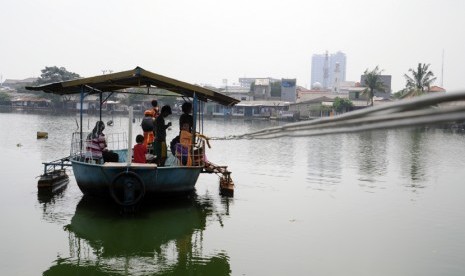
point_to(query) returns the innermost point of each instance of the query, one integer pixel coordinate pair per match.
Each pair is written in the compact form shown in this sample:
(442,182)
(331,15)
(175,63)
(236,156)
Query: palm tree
(372,82)
(421,79)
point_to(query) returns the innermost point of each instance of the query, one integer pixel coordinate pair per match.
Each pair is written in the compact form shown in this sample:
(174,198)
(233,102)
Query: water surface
(373,203)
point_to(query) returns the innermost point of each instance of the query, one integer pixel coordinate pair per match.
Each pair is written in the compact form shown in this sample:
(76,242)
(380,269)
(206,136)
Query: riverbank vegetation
(372,82)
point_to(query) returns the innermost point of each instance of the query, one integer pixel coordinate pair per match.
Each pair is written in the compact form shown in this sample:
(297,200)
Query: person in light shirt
(96,145)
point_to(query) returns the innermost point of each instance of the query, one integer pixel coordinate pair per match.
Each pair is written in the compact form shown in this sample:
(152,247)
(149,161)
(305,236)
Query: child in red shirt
(140,150)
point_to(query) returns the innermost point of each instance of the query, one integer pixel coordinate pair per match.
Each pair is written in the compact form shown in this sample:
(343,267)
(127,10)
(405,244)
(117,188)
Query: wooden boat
(126,182)
(54,176)
(53,179)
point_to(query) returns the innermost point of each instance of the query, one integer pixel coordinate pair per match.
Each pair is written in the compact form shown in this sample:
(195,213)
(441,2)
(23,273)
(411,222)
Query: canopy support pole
(129,152)
(194,118)
(101,103)
(80,112)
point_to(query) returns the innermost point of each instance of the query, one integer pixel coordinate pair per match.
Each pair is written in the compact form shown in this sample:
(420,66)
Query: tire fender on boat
(127,188)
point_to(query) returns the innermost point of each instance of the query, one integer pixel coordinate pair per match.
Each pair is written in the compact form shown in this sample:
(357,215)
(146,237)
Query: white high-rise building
(322,63)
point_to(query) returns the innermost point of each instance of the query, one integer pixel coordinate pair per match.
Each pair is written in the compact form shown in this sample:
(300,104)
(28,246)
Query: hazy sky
(206,41)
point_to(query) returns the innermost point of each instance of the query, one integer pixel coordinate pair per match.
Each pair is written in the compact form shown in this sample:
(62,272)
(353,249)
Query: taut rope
(420,111)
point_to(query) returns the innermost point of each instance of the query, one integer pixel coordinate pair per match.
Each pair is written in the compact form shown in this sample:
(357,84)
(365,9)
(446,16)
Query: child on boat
(140,149)
(184,148)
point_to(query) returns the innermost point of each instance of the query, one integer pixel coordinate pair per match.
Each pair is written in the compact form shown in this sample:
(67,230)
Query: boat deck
(132,165)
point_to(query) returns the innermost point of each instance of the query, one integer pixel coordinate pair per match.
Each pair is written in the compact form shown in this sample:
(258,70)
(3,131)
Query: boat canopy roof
(138,77)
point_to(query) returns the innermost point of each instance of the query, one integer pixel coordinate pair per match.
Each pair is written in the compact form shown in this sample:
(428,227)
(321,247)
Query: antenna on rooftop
(104,71)
(225,83)
(442,70)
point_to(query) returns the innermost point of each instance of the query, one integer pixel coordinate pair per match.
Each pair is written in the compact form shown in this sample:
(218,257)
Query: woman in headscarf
(97,144)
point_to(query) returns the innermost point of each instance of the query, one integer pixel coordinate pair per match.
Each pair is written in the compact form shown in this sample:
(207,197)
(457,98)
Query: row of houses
(291,103)
(89,105)
(296,102)
(259,99)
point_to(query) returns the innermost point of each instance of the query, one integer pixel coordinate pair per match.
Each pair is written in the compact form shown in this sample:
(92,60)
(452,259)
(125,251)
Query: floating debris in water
(42,134)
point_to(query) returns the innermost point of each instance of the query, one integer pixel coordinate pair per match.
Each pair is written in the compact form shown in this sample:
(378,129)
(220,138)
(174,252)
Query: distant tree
(5,98)
(252,87)
(275,89)
(56,74)
(251,90)
(324,110)
(420,81)
(399,94)
(372,82)
(342,104)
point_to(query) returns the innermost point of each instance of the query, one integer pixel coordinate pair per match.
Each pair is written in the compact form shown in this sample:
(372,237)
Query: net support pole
(129,153)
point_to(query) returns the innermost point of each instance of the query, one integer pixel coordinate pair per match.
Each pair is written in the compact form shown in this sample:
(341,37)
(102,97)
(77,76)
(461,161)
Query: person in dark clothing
(159,145)
(186,116)
(155,108)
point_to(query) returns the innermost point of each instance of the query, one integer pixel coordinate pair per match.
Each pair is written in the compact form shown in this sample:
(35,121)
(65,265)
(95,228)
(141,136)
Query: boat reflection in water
(163,239)
(48,195)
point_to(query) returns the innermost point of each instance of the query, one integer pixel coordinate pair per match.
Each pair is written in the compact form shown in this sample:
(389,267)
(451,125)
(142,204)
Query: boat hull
(96,179)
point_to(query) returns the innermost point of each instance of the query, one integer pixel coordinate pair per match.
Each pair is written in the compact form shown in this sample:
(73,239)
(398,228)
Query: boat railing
(191,156)
(81,151)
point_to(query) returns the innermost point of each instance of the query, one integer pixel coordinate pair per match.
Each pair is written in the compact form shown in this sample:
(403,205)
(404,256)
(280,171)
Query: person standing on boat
(97,144)
(154,111)
(147,127)
(159,145)
(155,108)
(186,116)
(148,122)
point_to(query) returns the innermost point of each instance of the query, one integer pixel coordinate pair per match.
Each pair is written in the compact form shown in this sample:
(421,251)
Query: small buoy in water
(19,145)
(42,134)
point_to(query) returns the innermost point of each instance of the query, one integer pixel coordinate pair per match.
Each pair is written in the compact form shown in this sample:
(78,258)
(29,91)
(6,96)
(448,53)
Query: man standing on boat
(148,123)
(155,110)
(186,116)
(148,128)
(159,145)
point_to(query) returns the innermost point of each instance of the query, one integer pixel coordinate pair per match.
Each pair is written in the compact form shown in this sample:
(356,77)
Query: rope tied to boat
(425,110)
